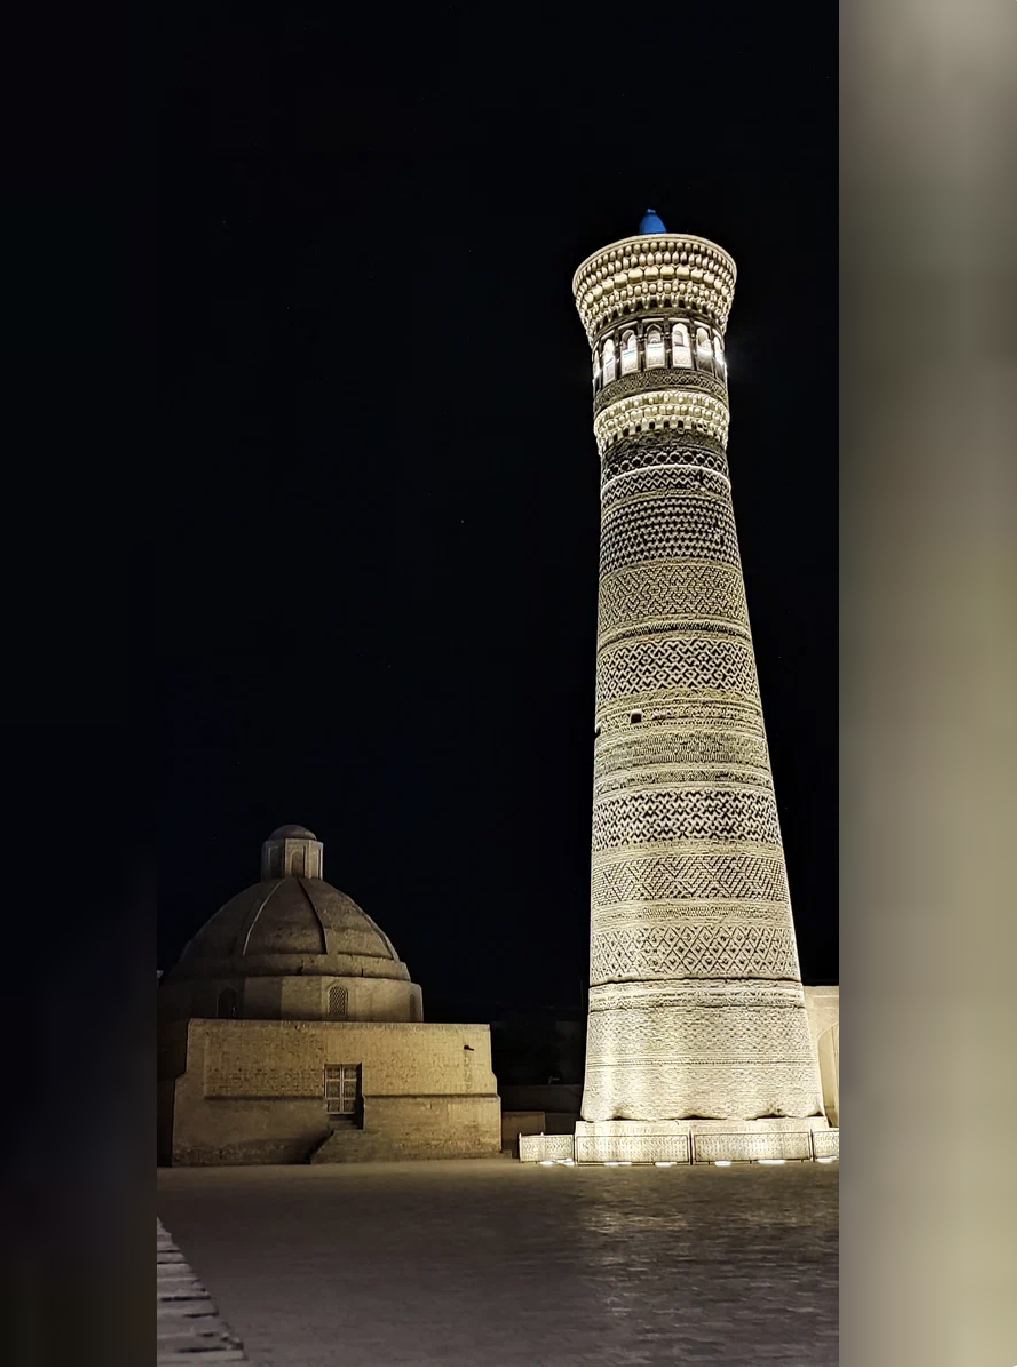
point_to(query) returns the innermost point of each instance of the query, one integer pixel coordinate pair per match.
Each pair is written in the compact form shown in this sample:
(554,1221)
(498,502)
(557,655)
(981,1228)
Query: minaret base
(779,1139)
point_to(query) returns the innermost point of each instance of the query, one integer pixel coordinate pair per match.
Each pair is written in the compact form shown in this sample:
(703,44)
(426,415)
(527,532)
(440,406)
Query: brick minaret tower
(696,1003)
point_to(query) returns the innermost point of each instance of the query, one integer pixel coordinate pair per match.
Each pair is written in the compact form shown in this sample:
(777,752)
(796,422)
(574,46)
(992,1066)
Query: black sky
(380,580)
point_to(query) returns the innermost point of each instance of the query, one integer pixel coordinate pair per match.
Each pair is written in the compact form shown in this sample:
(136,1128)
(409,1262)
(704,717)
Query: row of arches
(654,347)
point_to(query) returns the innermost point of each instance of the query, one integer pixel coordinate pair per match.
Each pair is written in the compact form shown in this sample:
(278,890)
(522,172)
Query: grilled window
(338,1002)
(342,1088)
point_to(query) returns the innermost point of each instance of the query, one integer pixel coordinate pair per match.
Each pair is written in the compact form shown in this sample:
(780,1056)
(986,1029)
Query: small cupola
(292,852)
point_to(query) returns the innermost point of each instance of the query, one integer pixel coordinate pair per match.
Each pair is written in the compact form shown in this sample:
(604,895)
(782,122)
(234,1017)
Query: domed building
(290,1030)
(292,947)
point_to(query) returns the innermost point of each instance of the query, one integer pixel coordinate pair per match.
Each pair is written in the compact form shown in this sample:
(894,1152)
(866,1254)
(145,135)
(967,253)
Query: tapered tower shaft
(696,1007)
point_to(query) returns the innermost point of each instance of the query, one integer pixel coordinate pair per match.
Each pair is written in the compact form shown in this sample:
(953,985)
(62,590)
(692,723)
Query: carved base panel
(826,1143)
(794,1146)
(637,1148)
(686,1141)
(702,1141)
(546,1148)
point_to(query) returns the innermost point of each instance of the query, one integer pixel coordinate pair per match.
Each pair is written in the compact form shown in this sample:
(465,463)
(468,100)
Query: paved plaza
(497,1262)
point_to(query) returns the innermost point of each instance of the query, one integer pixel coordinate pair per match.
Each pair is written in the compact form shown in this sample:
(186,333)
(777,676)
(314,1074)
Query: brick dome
(291,925)
(291,947)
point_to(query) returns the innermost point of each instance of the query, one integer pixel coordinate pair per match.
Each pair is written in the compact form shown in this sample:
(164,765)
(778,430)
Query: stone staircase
(188,1325)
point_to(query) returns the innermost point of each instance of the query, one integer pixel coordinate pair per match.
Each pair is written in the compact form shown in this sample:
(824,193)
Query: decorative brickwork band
(640,274)
(696,1005)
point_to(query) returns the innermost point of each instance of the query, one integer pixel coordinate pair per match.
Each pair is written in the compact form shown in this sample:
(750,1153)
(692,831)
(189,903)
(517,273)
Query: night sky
(380,585)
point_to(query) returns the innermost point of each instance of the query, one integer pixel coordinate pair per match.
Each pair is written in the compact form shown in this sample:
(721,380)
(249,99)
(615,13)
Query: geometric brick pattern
(684,663)
(704,813)
(658,450)
(671,589)
(669,527)
(681,950)
(689,877)
(640,381)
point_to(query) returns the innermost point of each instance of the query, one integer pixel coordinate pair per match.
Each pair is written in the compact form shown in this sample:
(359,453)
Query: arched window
(609,361)
(654,349)
(629,353)
(297,864)
(718,355)
(338,1002)
(681,356)
(704,349)
(596,367)
(226,1007)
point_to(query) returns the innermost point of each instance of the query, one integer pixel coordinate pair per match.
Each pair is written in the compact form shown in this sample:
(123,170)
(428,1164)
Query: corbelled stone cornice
(650,273)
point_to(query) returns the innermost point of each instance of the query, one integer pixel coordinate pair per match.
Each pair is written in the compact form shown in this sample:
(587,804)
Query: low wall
(822,1004)
(690,1145)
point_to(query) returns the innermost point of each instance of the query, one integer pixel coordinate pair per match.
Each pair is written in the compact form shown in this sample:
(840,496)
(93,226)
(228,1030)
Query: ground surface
(498,1262)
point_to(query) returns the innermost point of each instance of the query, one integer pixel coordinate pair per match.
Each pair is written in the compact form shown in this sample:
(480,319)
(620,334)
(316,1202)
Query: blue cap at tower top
(651,223)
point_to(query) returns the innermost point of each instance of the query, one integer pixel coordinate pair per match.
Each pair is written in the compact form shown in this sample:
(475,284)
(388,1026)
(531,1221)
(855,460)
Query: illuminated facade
(696,1007)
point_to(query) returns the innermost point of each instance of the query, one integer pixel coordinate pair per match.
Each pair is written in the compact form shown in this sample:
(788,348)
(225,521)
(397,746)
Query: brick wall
(287,1058)
(253,1091)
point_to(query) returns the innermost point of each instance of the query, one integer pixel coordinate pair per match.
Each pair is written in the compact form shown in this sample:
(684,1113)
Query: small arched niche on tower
(610,363)
(681,353)
(654,344)
(719,360)
(704,349)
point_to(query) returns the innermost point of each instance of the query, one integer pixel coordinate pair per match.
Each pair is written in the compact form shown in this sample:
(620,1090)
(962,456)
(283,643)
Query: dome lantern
(292,852)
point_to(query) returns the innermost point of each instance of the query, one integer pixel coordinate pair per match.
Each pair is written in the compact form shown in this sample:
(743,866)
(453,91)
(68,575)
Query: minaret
(696,1008)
